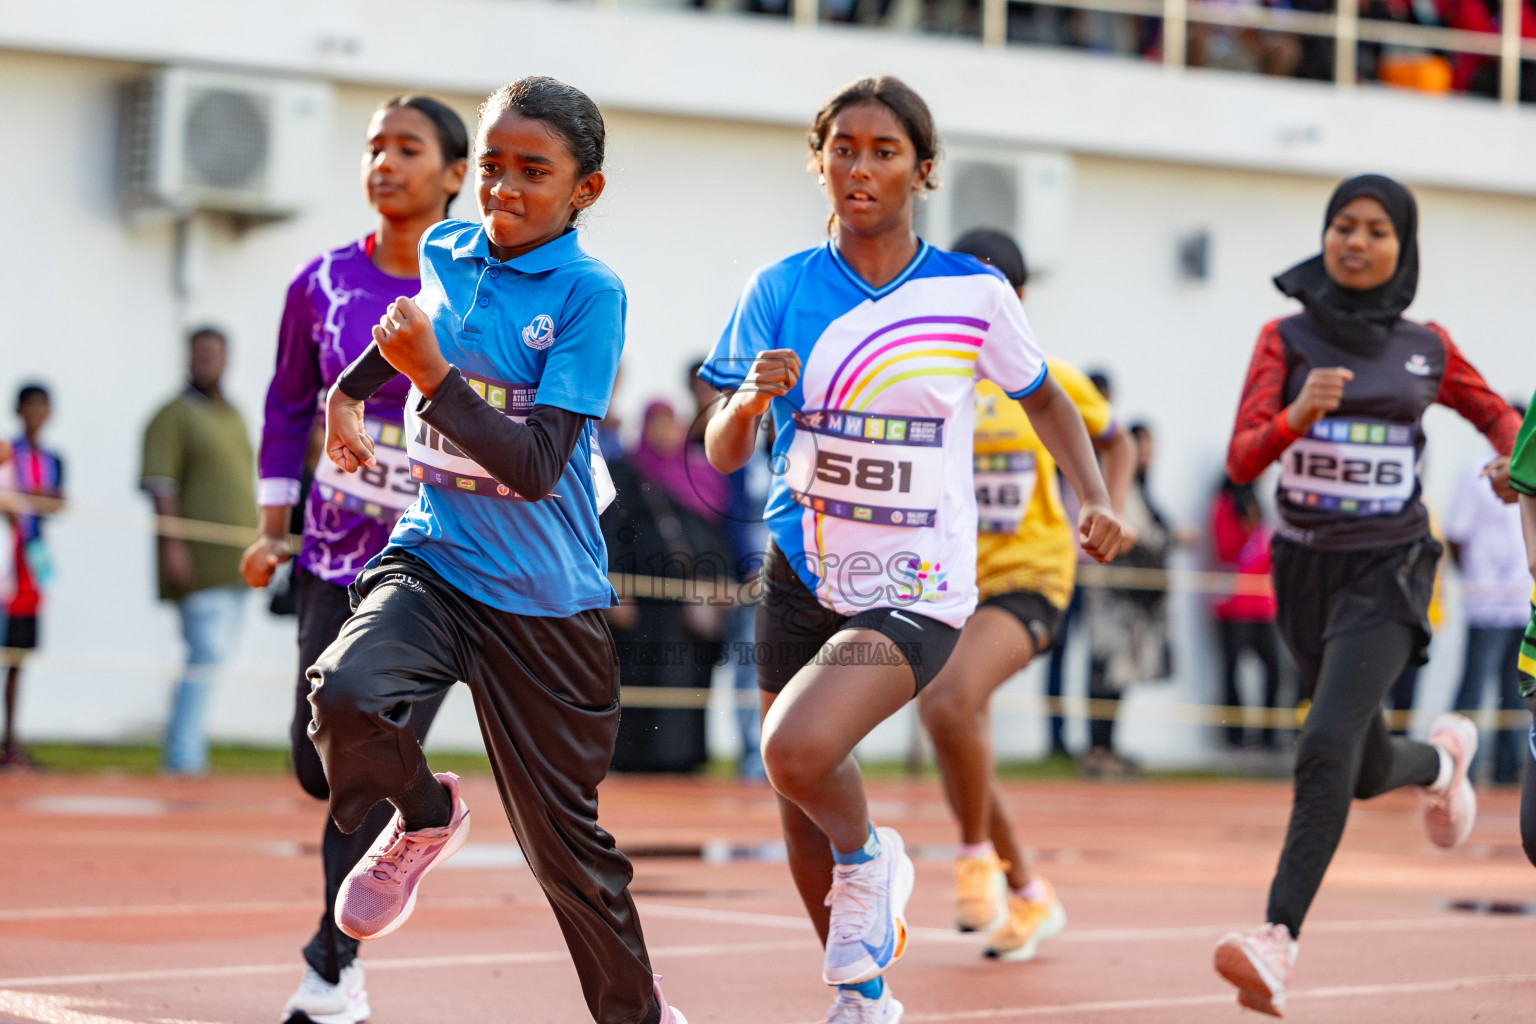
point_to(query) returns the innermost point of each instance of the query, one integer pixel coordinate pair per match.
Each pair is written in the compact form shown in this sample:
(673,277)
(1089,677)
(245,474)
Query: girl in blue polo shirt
(498,574)
(866,350)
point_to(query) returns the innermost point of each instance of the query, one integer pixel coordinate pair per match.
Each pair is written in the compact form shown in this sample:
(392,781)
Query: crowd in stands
(1226,47)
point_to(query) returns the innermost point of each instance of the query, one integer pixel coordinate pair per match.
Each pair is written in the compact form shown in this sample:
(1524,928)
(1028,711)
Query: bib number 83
(866,474)
(1321,466)
(378,476)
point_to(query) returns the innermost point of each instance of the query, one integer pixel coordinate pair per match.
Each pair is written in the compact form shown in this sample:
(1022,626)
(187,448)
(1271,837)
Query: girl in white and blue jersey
(498,574)
(866,350)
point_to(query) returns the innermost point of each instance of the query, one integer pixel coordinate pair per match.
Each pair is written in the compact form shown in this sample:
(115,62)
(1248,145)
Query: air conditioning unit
(197,139)
(1027,194)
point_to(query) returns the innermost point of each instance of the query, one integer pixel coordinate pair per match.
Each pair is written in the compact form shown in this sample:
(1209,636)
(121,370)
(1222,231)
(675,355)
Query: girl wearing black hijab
(1336,395)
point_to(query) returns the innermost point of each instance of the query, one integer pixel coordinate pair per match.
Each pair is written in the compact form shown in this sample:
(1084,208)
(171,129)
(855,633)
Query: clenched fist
(1320,395)
(773,374)
(406,339)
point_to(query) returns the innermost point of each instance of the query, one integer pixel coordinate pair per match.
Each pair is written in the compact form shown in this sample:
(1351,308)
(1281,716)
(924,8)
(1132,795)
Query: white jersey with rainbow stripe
(872,498)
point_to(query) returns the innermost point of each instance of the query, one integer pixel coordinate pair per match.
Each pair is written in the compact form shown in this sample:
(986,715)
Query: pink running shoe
(1450,811)
(380,893)
(669,1014)
(1259,964)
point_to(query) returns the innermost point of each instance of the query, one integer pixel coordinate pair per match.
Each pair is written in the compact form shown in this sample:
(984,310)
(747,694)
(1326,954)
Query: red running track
(150,900)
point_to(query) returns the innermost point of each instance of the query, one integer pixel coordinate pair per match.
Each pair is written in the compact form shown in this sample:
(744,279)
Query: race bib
(380,492)
(1005,485)
(437,461)
(1359,468)
(887,470)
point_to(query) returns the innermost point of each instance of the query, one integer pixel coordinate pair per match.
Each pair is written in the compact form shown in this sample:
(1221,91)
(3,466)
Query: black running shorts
(1035,613)
(793,627)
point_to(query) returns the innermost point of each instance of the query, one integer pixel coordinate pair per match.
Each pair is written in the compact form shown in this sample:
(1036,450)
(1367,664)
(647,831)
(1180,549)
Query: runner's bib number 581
(1005,485)
(437,461)
(380,492)
(885,470)
(1356,467)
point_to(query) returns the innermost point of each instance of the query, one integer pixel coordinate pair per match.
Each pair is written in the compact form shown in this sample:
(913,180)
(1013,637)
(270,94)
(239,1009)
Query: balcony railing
(1344,26)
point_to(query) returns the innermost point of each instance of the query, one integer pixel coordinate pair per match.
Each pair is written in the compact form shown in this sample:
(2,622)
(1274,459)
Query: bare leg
(1019,872)
(993,646)
(810,856)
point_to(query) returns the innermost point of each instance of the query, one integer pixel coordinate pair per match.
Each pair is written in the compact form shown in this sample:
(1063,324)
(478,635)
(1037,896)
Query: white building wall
(694,203)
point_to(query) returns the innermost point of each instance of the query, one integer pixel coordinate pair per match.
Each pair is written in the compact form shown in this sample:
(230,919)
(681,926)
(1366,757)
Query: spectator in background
(1127,628)
(32,472)
(198,465)
(1245,619)
(747,536)
(660,527)
(1056,667)
(1487,547)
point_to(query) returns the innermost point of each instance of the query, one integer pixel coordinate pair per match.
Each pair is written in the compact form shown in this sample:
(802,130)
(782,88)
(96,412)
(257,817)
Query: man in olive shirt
(198,466)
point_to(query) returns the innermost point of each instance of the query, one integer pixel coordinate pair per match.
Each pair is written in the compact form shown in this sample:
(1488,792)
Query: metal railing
(1345,26)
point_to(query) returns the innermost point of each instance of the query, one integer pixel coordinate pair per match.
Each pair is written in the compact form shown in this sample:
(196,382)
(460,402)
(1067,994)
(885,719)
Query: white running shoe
(1259,964)
(1450,813)
(852,1008)
(317,1001)
(868,930)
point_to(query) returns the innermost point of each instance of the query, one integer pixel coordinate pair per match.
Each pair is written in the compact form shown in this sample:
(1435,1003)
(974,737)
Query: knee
(946,714)
(796,765)
(1321,749)
(336,697)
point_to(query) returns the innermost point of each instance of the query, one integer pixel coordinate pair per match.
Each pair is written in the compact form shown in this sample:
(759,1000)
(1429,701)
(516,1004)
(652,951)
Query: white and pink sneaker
(379,894)
(1259,964)
(1450,805)
(669,1014)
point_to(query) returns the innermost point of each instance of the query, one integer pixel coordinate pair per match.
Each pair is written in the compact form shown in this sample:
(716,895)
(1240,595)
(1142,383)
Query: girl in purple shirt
(414,160)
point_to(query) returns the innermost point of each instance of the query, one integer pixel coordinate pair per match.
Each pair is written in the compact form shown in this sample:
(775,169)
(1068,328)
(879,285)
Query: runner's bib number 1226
(1356,467)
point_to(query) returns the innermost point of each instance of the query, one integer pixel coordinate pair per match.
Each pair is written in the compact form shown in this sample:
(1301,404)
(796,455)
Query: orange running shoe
(1029,923)
(980,886)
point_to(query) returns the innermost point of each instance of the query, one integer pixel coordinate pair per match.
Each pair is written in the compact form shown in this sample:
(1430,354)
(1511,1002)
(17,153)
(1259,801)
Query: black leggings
(1344,752)
(1528,797)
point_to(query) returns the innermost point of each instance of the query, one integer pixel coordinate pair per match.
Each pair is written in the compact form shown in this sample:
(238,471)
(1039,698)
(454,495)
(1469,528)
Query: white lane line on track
(385,964)
(1449,922)
(1210,932)
(1056,1010)
(62,1010)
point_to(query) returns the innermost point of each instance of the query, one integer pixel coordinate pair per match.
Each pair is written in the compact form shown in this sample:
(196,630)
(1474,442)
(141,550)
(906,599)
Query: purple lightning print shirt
(333,304)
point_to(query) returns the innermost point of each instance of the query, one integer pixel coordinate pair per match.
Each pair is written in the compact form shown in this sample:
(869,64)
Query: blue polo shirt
(552,321)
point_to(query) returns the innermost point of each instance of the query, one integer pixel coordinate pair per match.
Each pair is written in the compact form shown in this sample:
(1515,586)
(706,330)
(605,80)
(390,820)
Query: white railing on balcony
(1345,27)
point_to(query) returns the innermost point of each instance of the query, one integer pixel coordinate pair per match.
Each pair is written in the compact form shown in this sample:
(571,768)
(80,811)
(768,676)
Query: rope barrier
(722,592)
(692,698)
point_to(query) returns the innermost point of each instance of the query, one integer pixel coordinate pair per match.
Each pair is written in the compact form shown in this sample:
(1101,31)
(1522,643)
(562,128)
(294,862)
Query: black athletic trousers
(546,692)
(1345,752)
(322,608)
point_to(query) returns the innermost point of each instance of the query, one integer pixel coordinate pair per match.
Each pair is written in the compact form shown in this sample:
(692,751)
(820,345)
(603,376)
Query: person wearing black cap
(1336,394)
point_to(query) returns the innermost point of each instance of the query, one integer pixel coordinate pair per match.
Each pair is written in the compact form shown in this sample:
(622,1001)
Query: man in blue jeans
(198,466)
(1484,537)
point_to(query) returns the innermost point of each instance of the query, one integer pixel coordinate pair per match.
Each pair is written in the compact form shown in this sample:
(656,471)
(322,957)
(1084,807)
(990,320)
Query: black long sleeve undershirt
(528,457)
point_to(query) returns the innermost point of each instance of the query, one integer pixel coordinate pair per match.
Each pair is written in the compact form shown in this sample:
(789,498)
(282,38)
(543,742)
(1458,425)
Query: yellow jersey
(1025,541)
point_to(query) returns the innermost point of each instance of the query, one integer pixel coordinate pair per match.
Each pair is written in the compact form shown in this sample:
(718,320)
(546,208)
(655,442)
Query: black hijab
(1361,320)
